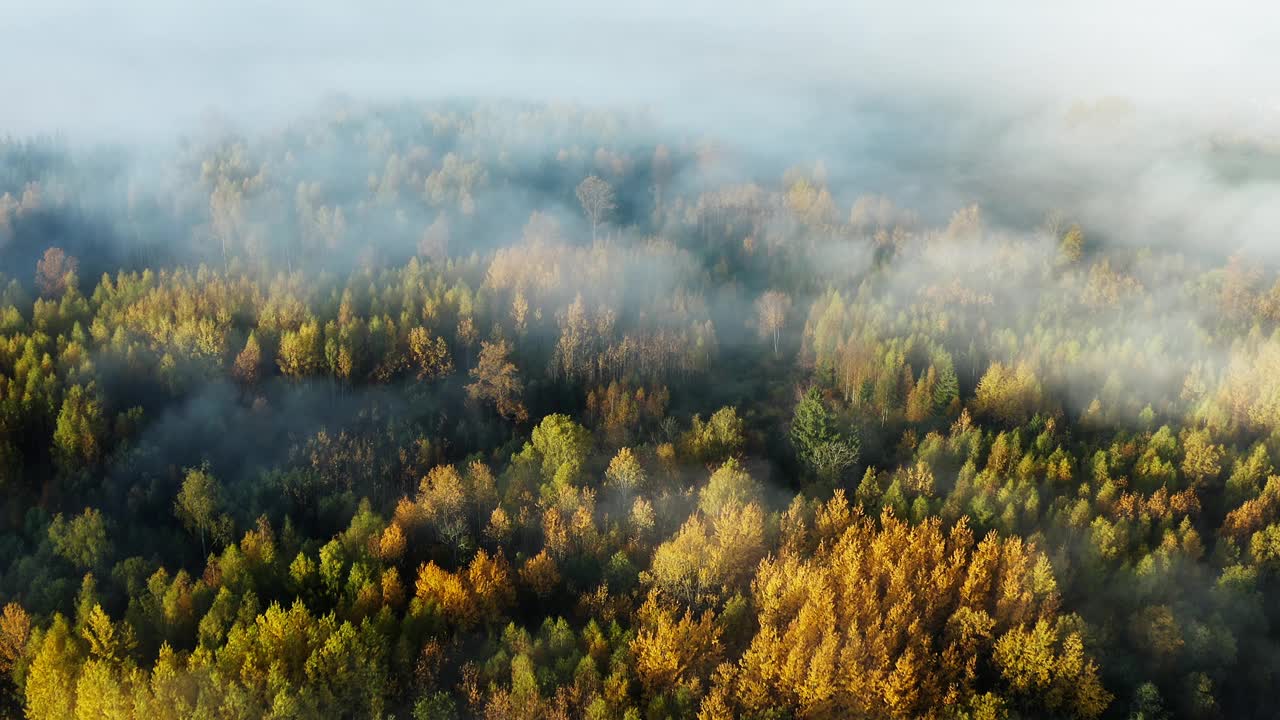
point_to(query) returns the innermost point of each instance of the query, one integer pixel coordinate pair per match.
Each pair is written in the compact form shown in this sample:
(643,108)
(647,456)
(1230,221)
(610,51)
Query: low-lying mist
(665,361)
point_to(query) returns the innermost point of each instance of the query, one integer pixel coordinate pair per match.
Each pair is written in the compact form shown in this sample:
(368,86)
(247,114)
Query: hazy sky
(134,67)
(938,103)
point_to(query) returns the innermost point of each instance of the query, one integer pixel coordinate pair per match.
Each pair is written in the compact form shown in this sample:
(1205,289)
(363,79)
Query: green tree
(811,425)
(562,444)
(947,388)
(198,506)
(78,434)
(82,539)
(819,446)
(715,439)
(731,486)
(436,706)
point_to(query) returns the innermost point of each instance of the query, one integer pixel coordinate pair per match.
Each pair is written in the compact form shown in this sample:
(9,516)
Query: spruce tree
(811,426)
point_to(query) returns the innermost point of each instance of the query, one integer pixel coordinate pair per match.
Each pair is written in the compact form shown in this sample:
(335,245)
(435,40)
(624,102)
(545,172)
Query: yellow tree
(300,351)
(442,502)
(247,369)
(624,473)
(497,381)
(896,620)
(540,574)
(50,687)
(430,356)
(1202,460)
(15,629)
(675,650)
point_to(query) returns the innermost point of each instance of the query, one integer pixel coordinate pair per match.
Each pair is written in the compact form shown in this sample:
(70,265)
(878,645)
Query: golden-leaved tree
(902,621)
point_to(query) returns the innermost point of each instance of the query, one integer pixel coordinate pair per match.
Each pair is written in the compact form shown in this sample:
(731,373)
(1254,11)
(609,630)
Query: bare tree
(661,171)
(596,197)
(771,315)
(226,215)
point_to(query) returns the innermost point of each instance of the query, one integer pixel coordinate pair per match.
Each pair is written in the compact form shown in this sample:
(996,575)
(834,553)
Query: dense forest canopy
(901,402)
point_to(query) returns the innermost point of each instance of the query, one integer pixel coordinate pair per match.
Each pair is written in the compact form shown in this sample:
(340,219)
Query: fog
(320,251)
(1114,113)
(137,66)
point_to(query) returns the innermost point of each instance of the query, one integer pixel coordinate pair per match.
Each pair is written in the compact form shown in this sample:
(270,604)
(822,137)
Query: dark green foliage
(820,448)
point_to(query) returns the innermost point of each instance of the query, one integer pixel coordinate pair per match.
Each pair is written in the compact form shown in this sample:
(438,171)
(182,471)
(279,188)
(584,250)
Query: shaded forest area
(525,411)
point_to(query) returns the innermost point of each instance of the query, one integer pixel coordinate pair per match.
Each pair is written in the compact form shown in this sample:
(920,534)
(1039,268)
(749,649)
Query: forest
(480,409)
